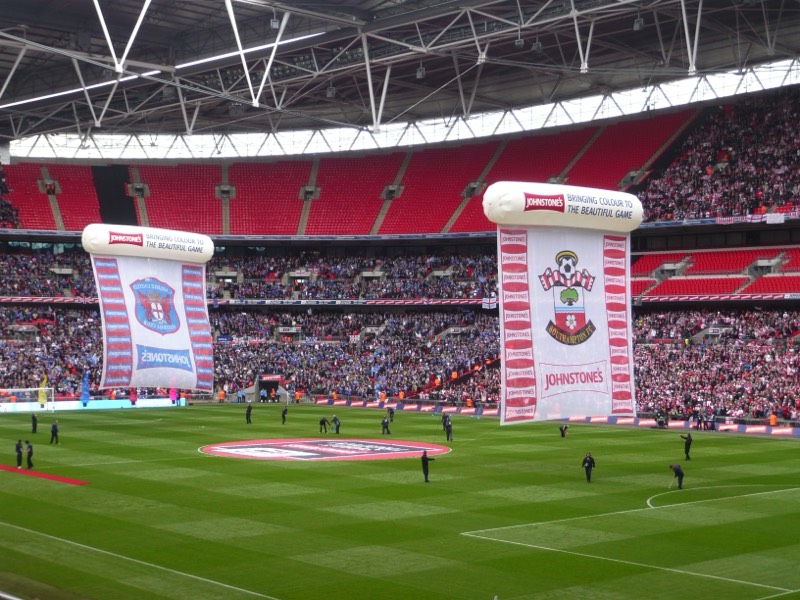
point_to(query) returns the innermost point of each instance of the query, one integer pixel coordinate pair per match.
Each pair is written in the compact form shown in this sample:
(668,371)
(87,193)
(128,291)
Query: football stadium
(402,299)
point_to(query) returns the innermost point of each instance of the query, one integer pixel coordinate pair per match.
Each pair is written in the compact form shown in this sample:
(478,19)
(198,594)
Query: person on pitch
(677,474)
(425,460)
(588,464)
(687,445)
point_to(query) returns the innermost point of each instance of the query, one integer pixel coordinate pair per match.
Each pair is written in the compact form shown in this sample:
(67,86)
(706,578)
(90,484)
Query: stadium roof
(156,67)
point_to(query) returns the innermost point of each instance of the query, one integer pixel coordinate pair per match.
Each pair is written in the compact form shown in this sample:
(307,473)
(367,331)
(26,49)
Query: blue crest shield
(155,305)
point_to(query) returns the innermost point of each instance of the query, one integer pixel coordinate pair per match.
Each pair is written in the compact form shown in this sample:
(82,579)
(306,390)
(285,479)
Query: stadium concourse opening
(268,389)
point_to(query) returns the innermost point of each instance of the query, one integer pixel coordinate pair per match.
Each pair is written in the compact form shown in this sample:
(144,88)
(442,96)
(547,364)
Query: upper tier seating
(774,284)
(182,197)
(534,159)
(793,260)
(350,193)
(638,286)
(77,200)
(32,204)
(623,147)
(692,286)
(433,182)
(726,261)
(647,263)
(267,197)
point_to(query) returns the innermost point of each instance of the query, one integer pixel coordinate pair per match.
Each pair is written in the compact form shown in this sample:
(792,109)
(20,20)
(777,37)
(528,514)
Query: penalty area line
(484,534)
(633,510)
(138,562)
(632,563)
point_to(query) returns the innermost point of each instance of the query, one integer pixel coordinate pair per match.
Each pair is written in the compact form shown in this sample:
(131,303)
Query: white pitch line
(632,510)
(771,596)
(116,462)
(629,562)
(713,487)
(783,591)
(139,562)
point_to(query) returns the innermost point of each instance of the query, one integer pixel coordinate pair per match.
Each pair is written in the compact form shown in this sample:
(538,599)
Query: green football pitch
(507,513)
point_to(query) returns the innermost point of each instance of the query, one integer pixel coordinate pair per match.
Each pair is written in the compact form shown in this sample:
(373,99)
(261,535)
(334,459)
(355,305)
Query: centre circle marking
(322,449)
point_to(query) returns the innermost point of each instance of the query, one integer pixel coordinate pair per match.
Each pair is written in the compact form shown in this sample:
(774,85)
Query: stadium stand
(352,187)
(774,283)
(623,147)
(182,197)
(639,286)
(791,256)
(645,264)
(726,261)
(692,286)
(714,359)
(32,204)
(432,187)
(78,198)
(741,161)
(529,158)
(267,197)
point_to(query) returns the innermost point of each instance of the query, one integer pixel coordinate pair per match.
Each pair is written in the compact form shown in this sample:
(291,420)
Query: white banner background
(564,360)
(156,331)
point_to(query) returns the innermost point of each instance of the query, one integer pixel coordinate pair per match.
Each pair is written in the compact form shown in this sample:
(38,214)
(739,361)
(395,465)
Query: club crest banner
(151,289)
(564,299)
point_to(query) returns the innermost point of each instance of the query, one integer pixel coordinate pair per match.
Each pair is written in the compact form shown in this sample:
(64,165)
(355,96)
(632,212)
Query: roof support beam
(272,54)
(232,17)
(383,97)
(13,70)
(121,63)
(365,46)
(692,47)
(85,91)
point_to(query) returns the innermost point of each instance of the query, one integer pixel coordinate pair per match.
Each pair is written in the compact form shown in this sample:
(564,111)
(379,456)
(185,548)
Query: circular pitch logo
(322,449)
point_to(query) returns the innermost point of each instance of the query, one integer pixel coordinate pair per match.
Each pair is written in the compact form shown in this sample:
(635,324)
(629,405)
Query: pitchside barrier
(96,404)
(723,424)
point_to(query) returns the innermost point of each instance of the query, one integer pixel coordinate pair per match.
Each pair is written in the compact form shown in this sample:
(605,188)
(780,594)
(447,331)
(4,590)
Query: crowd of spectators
(44,274)
(9,217)
(743,160)
(740,363)
(307,276)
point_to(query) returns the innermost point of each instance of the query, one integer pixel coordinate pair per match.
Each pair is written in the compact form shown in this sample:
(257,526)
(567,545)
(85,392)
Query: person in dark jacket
(18,450)
(687,445)
(678,474)
(448,430)
(323,425)
(425,460)
(29,453)
(385,426)
(283,415)
(588,464)
(563,430)
(335,424)
(54,432)
(247,412)
(34,422)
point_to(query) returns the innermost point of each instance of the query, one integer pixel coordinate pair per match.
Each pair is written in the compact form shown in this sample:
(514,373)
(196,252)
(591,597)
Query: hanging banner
(564,298)
(152,294)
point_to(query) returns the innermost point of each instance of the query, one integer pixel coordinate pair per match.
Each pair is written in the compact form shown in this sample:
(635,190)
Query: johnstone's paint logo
(322,449)
(134,239)
(151,358)
(555,203)
(154,305)
(569,286)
